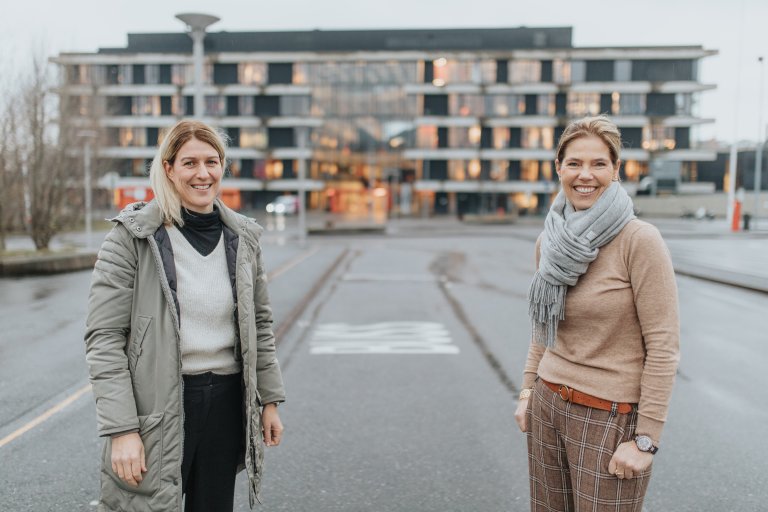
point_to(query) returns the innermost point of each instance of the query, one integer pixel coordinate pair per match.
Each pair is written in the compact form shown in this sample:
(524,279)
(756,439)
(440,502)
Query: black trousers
(213,436)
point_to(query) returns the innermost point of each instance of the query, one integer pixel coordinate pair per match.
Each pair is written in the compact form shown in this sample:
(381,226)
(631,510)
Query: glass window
(627,104)
(561,71)
(499,170)
(454,71)
(426,137)
(255,138)
(294,105)
(684,103)
(500,137)
(488,71)
(504,104)
(215,106)
(583,104)
(538,137)
(529,170)
(658,137)
(125,74)
(182,74)
(152,74)
(578,71)
(524,71)
(622,70)
(465,105)
(545,105)
(129,137)
(146,106)
(252,73)
(246,105)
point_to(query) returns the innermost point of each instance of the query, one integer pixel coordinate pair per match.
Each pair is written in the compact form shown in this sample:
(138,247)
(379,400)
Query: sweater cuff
(529,378)
(649,427)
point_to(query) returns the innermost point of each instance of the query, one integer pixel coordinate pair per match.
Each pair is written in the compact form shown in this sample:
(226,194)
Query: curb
(19,266)
(726,277)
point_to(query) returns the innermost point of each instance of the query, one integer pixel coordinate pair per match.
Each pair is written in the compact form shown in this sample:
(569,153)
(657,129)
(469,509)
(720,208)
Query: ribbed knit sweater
(207,308)
(620,337)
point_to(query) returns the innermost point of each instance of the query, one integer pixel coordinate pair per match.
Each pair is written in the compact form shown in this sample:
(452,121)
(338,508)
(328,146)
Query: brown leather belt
(577,397)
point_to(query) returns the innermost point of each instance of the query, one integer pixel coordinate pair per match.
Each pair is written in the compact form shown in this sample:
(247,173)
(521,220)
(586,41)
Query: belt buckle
(565,393)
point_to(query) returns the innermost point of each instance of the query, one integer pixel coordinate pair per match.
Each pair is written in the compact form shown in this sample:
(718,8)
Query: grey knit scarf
(570,242)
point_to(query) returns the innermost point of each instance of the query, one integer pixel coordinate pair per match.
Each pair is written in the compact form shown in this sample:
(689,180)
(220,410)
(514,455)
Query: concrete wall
(675,206)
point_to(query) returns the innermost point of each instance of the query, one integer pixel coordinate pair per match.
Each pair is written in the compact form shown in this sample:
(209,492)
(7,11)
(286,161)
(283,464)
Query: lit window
(524,71)
(583,104)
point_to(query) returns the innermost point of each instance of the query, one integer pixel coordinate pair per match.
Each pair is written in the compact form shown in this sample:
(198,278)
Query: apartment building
(419,122)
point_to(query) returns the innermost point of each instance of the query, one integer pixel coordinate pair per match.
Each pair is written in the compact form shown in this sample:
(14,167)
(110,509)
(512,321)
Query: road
(401,370)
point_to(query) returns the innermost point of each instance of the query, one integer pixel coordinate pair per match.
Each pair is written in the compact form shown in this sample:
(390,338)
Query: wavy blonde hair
(165,192)
(599,126)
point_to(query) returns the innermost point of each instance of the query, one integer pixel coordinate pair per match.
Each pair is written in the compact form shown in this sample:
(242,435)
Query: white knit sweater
(207,308)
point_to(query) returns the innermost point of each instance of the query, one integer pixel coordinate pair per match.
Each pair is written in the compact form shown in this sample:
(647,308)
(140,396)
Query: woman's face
(586,170)
(196,173)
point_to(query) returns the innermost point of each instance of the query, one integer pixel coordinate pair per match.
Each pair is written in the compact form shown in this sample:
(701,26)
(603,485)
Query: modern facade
(421,121)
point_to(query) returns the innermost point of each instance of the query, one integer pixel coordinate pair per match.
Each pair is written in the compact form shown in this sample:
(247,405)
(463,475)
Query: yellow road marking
(43,417)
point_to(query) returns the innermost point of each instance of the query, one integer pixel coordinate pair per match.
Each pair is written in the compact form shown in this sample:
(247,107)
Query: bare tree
(11,184)
(47,154)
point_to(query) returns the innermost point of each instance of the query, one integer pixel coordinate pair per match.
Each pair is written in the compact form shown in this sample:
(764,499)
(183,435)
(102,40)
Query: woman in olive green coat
(135,347)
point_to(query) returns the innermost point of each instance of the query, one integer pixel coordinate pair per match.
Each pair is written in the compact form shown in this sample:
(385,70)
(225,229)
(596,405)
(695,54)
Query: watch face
(644,443)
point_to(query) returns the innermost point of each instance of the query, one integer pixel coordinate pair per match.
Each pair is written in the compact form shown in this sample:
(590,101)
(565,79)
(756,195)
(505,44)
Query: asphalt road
(401,373)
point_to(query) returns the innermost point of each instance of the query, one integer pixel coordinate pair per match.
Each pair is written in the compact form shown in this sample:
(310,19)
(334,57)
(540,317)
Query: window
(545,105)
(294,105)
(280,72)
(446,71)
(463,137)
(683,104)
(146,106)
(152,74)
(246,105)
(583,104)
(182,74)
(600,70)
(561,71)
(663,70)
(252,73)
(426,137)
(465,105)
(215,106)
(224,74)
(524,71)
(255,138)
(627,104)
(500,137)
(658,137)
(578,71)
(538,137)
(129,137)
(504,105)
(622,70)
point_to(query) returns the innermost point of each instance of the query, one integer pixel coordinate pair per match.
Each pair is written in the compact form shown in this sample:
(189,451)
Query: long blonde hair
(165,192)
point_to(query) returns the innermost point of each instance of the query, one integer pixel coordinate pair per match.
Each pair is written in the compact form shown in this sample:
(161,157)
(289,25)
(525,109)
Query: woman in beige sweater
(604,354)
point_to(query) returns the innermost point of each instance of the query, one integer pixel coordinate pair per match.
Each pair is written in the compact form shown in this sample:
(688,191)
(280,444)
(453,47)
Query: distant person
(602,362)
(179,340)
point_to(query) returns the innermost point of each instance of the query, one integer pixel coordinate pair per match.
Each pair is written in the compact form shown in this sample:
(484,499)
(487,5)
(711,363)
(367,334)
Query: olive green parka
(134,357)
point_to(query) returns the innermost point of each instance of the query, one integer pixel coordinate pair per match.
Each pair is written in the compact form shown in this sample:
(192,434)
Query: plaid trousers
(569,448)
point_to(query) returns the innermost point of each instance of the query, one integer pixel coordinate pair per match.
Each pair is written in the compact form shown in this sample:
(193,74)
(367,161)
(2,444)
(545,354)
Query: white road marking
(382,338)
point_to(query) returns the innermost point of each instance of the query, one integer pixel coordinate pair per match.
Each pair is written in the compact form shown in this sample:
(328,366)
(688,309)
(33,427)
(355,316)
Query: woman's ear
(168,168)
(616,170)
(557,167)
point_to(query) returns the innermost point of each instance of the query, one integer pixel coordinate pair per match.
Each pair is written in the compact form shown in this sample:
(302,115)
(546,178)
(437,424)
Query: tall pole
(197,24)
(734,146)
(759,147)
(197,57)
(302,143)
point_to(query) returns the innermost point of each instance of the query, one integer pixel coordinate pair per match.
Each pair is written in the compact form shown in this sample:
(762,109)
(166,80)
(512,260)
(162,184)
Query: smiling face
(196,174)
(586,170)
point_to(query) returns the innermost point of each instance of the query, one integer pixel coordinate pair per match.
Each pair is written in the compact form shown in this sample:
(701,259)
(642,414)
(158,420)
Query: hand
(128,458)
(271,425)
(520,414)
(629,461)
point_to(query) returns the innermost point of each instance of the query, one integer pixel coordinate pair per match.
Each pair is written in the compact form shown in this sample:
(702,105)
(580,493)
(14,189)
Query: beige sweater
(620,337)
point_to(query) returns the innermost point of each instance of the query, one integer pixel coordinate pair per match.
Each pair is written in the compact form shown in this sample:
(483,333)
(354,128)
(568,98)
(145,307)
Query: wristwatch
(525,394)
(645,444)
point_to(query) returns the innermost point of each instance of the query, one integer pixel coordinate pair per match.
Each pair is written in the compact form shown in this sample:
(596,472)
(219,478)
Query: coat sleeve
(270,379)
(107,330)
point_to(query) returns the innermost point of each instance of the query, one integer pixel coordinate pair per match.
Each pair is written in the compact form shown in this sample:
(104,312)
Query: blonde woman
(179,340)
(602,362)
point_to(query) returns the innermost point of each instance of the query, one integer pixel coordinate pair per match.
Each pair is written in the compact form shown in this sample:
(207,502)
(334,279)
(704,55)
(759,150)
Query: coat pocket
(151,433)
(138,333)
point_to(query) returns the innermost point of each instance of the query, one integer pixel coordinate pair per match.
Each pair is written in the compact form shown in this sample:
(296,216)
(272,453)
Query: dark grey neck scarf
(571,241)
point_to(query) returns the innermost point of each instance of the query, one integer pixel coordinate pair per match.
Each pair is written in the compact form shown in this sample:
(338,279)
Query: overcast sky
(738,29)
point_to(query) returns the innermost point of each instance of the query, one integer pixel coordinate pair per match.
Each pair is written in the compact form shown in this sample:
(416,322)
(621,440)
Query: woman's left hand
(271,425)
(628,461)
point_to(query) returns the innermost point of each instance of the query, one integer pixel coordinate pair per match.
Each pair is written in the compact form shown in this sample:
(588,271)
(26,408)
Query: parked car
(284,205)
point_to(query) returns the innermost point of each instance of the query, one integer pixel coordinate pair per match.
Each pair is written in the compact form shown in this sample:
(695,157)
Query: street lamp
(88,136)
(196,25)
(759,146)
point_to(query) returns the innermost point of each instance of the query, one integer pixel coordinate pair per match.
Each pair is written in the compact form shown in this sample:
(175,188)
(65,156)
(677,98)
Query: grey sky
(736,28)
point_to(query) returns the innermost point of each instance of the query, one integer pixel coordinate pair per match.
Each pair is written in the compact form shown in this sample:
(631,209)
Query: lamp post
(88,136)
(759,147)
(196,25)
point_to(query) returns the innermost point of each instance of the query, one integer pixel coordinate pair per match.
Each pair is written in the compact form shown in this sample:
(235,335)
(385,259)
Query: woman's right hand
(520,414)
(128,458)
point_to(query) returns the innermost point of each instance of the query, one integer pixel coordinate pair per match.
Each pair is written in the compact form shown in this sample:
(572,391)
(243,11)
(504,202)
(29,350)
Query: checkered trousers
(569,448)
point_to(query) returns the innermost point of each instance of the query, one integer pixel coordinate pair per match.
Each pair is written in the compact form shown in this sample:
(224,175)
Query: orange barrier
(736,219)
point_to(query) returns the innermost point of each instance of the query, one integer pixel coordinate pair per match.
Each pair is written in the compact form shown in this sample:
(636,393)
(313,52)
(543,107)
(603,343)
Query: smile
(585,190)
(201,187)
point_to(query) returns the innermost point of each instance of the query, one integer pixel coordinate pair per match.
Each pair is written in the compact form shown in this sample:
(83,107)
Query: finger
(143,460)
(267,436)
(128,475)
(136,471)
(277,435)
(612,467)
